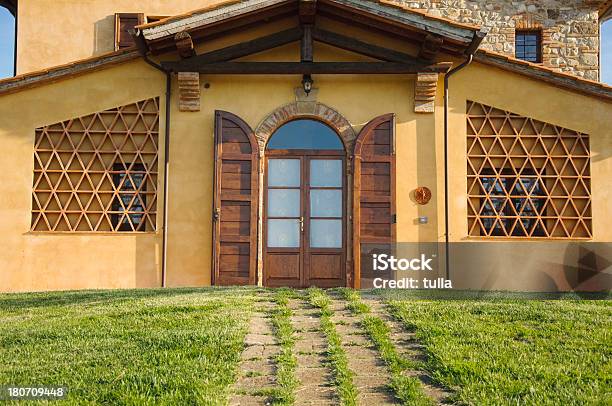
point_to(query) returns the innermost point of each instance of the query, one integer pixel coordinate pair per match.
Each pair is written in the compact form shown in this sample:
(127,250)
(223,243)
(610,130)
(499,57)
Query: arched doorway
(305,186)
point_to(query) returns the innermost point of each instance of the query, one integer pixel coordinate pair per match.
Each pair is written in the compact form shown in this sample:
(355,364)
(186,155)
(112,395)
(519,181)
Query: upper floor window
(528,45)
(124,22)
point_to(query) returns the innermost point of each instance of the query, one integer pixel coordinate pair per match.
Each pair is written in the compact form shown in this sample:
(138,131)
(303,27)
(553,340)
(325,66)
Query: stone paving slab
(310,346)
(409,347)
(371,377)
(257,370)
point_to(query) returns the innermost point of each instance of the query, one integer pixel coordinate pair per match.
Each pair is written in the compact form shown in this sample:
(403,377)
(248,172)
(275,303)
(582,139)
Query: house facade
(283,142)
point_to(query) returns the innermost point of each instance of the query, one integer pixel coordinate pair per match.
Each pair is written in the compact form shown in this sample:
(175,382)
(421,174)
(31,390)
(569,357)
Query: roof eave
(584,86)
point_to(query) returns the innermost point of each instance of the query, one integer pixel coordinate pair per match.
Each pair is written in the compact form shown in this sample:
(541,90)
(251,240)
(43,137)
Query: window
(526,178)
(528,46)
(515,198)
(305,134)
(124,22)
(130,203)
(98,173)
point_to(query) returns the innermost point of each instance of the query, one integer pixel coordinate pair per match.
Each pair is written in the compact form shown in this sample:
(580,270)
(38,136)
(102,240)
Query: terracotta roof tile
(67,70)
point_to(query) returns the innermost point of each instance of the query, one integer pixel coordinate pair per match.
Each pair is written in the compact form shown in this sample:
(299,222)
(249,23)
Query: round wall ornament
(422,195)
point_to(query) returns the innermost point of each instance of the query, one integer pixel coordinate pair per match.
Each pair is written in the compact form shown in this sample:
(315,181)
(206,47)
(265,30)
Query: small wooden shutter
(373,187)
(235,205)
(124,22)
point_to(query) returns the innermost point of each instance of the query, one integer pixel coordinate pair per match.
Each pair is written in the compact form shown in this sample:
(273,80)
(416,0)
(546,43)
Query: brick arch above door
(299,109)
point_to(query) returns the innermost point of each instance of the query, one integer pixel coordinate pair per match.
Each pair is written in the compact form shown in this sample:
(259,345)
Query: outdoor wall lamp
(307,83)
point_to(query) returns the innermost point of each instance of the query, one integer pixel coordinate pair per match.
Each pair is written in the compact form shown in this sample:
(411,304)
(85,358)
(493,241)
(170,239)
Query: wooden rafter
(306,48)
(306,68)
(184,44)
(354,45)
(430,47)
(249,47)
(526,178)
(307,10)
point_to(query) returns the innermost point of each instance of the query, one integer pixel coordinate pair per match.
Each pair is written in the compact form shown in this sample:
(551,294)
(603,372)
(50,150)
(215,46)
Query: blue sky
(7,29)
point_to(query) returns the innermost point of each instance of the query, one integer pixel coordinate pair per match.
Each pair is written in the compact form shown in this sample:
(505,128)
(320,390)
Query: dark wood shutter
(373,188)
(235,203)
(124,22)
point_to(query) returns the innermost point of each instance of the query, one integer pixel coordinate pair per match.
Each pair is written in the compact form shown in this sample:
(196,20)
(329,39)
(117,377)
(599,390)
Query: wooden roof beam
(354,45)
(305,68)
(307,10)
(430,47)
(249,47)
(184,44)
(306,48)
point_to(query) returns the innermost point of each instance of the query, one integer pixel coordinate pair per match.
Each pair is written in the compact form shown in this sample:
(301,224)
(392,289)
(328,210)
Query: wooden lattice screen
(526,178)
(98,172)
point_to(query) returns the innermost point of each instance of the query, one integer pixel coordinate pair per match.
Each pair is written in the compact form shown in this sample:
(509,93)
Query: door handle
(302,224)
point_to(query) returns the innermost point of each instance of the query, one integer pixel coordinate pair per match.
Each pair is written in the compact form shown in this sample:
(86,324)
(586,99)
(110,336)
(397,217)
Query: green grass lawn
(505,349)
(182,346)
(175,346)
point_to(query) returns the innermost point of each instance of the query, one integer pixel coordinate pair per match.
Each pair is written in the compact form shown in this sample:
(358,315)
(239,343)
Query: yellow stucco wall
(46,261)
(54,32)
(35,261)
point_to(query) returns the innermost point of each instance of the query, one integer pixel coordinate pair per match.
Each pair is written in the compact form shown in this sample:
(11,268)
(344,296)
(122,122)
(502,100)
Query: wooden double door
(304,218)
(283,221)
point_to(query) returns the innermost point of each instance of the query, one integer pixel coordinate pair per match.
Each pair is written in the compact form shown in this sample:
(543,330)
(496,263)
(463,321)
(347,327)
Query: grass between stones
(343,376)
(407,388)
(286,361)
(508,351)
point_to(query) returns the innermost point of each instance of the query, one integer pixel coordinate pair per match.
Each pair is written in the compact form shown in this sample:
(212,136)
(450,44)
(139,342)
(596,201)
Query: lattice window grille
(526,178)
(86,168)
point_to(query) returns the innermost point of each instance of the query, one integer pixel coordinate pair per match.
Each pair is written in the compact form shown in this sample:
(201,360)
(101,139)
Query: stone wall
(570,28)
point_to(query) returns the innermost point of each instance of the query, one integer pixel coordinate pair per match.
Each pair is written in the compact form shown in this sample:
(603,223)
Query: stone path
(371,376)
(257,372)
(408,346)
(315,378)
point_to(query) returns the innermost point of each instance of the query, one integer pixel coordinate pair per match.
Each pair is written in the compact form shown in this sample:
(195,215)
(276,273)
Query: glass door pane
(325,203)
(284,203)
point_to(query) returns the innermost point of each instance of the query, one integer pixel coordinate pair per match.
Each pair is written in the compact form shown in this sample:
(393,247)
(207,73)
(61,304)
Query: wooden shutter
(373,187)
(235,203)
(124,22)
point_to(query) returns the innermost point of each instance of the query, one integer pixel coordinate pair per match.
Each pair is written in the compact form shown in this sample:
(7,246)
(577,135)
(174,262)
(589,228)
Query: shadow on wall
(532,266)
(503,265)
(104,35)
(147,266)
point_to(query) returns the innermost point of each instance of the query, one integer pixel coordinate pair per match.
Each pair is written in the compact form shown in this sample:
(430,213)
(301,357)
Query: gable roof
(381,15)
(396,16)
